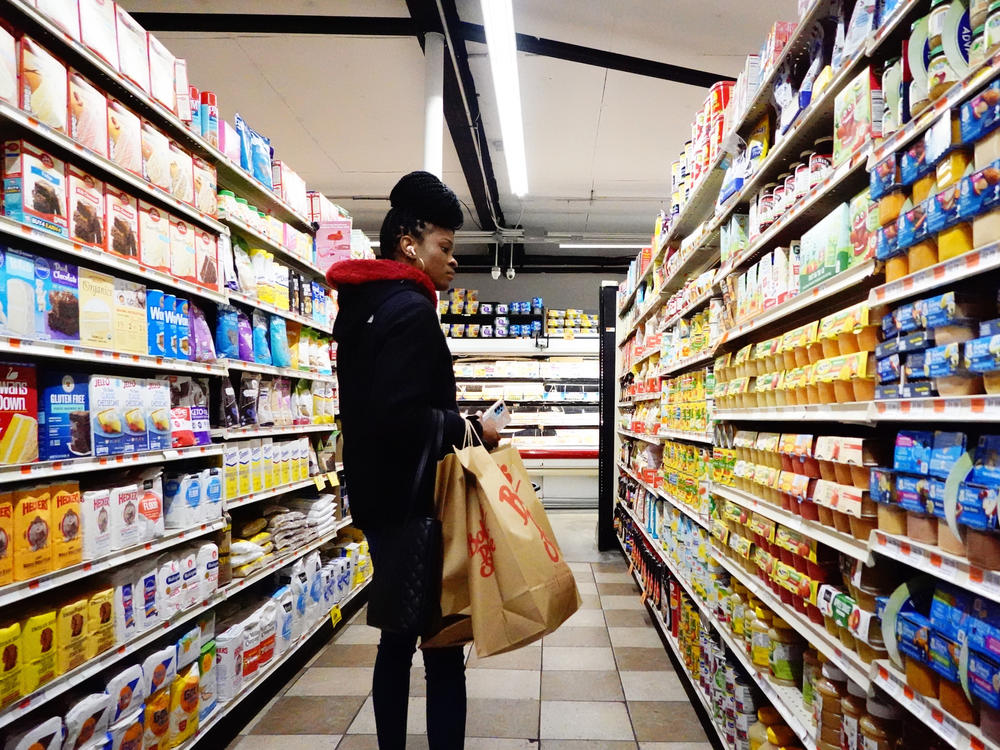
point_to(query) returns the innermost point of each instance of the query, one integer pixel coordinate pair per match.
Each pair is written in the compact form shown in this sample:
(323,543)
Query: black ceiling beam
(537,45)
(274,23)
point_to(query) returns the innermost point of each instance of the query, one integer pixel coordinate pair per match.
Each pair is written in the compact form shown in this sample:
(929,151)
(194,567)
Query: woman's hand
(491,438)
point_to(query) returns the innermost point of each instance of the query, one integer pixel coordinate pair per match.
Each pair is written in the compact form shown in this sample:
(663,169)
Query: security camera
(495,272)
(511,273)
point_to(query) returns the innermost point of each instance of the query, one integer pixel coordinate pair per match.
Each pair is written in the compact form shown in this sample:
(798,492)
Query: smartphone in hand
(497,415)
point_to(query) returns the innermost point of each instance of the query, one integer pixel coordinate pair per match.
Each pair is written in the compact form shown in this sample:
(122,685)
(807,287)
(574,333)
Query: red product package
(18,413)
(86,207)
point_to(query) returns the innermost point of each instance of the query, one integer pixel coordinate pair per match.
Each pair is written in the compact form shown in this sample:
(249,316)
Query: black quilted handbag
(405,594)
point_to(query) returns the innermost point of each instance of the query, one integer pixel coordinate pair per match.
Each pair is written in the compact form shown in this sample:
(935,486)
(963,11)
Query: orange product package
(67,543)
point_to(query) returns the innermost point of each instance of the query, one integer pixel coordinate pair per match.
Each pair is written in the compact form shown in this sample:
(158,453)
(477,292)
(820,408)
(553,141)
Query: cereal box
(39,645)
(63,416)
(136,439)
(97,294)
(106,418)
(6,543)
(66,525)
(132,49)
(206,259)
(154,237)
(86,207)
(34,188)
(100,622)
(98,29)
(32,532)
(10,672)
(206,197)
(121,223)
(19,284)
(8,71)
(130,317)
(71,635)
(155,156)
(161,73)
(124,137)
(183,255)
(18,413)
(43,84)
(181,174)
(57,308)
(88,114)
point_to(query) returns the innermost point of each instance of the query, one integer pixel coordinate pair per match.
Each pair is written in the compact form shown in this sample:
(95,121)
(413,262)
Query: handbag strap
(427,457)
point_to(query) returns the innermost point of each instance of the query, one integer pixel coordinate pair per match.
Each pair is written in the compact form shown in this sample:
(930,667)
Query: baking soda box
(18,413)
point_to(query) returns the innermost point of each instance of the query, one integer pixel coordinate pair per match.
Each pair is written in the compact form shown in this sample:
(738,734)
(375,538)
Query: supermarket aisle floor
(602,682)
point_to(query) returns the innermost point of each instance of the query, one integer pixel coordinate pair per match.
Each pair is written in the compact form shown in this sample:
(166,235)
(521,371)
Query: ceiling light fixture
(498,19)
(597,246)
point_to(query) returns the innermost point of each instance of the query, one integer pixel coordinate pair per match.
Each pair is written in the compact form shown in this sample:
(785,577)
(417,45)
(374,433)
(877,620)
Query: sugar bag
(171,587)
(146,591)
(184,697)
(127,603)
(249,390)
(280,354)
(261,349)
(314,574)
(86,721)
(44,736)
(127,693)
(229,662)
(211,494)
(245,337)
(95,523)
(182,500)
(300,596)
(127,734)
(207,558)
(283,626)
(208,684)
(202,348)
(159,669)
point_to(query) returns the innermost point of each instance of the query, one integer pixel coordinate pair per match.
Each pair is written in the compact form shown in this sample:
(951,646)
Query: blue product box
(158,414)
(107,420)
(907,318)
(948,448)
(885,348)
(884,178)
(990,327)
(57,301)
(912,225)
(981,114)
(888,369)
(134,412)
(913,163)
(910,390)
(913,631)
(977,506)
(951,612)
(169,326)
(986,469)
(882,484)
(156,323)
(979,192)
(943,361)
(183,323)
(937,139)
(941,310)
(914,493)
(942,209)
(20,294)
(984,679)
(887,242)
(63,395)
(983,354)
(914,366)
(889,327)
(916,341)
(913,451)
(885,392)
(944,656)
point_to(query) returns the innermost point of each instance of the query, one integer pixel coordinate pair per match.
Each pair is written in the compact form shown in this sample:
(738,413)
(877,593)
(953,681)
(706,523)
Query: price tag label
(333,479)
(319,482)
(335,616)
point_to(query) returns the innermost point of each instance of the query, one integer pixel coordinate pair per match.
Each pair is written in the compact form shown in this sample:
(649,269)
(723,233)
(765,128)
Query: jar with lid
(226,206)
(765,206)
(810,671)
(778,199)
(853,706)
(744,696)
(779,737)
(760,640)
(785,658)
(821,161)
(881,726)
(737,604)
(979,10)
(935,22)
(991,34)
(757,734)
(831,685)
(791,186)
(977,47)
(919,98)
(940,75)
(803,180)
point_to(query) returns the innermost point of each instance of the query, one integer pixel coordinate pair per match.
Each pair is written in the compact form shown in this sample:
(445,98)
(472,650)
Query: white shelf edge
(853,412)
(977,261)
(246,299)
(241,227)
(239,433)
(287,372)
(697,359)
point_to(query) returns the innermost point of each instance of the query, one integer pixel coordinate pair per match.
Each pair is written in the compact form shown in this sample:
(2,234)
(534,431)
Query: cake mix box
(162,64)
(18,413)
(181,174)
(206,198)
(32,532)
(57,303)
(67,544)
(43,84)
(19,285)
(206,258)
(154,237)
(132,57)
(121,217)
(8,73)
(289,186)
(88,114)
(183,255)
(63,416)
(155,156)
(158,414)
(99,28)
(134,414)
(86,207)
(97,294)
(34,188)
(66,15)
(6,551)
(106,418)
(124,137)
(130,317)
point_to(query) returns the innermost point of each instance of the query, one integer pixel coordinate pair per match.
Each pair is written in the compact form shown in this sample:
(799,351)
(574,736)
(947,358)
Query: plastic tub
(808,510)
(830,348)
(922,255)
(826,393)
(863,388)
(815,352)
(896,267)
(862,527)
(827,470)
(860,477)
(952,544)
(826,516)
(842,473)
(891,519)
(814,614)
(843,391)
(983,548)
(921,527)
(921,678)
(842,522)
(870,653)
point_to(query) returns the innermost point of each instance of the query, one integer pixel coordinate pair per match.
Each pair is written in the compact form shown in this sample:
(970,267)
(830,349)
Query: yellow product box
(97,304)
(71,635)
(67,546)
(100,622)
(10,673)
(256,466)
(39,646)
(130,324)
(6,538)
(231,470)
(32,532)
(244,468)
(267,450)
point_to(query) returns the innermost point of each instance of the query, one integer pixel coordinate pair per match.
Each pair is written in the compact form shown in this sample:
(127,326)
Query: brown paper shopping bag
(521,588)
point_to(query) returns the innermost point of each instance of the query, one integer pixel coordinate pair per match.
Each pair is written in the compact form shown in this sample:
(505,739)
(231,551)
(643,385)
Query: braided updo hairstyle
(418,199)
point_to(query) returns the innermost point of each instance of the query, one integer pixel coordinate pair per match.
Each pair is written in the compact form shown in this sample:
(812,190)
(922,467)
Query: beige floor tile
(284,741)
(502,719)
(622,602)
(635,637)
(363,634)
(491,743)
(618,589)
(643,659)
(586,588)
(666,721)
(529,657)
(416,718)
(585,618)
(652,686)
(587,745)
(585,720)
(347,655)
(590,602)
(628,618)
(618,566)
(573,636)
(622,577)
(580,567)
(309,715)
(513,684)
(581,686)
(333,681)
(370,742)
(577,658)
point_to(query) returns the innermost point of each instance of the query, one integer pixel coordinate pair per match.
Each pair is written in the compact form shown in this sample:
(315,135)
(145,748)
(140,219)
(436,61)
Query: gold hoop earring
(423,266)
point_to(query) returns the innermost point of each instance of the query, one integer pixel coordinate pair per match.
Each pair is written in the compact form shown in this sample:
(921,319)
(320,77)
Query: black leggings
(445,693)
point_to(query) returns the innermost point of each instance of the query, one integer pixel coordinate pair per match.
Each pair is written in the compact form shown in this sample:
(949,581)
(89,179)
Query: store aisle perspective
(601,682)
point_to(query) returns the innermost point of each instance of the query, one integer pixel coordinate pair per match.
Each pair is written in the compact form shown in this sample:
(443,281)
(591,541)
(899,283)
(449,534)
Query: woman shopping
(399,417)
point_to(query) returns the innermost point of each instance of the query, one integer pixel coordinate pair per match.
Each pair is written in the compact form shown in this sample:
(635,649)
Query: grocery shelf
(822,534)
(252,431)
(831,647)
(22,14)
(525,347)
(538,402)
(621,404)
(554,419)
(103,168)
(21,590)
(978,261)
(280,251)
(246,299)
(646,397)
(696,437)
(701,257)
(943,409)
(224,709)
(652,439)
(854,412)
(930,558)
(17,233)
(643,359)
(682,507)
(45,469)
(684,364)
(890,25)
(288,372)
(693,306)
(701,200)
(958,734)
(843,282)
(630,297)
(256,497)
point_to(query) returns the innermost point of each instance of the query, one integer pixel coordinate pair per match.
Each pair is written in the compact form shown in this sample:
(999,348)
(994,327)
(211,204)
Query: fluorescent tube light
(591,246)
(498,19)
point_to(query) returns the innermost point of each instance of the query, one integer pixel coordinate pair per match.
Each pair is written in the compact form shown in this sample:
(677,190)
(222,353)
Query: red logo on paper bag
(509,495)
(482,544)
